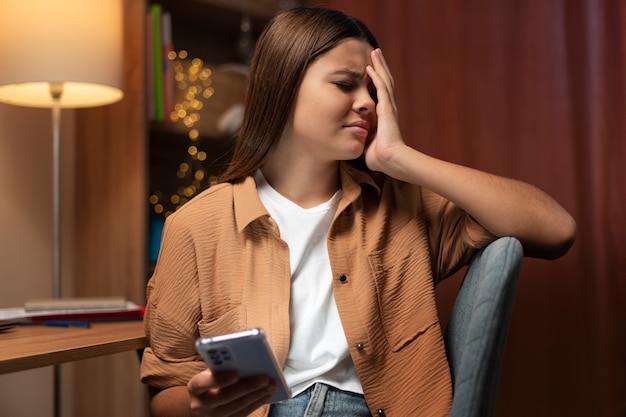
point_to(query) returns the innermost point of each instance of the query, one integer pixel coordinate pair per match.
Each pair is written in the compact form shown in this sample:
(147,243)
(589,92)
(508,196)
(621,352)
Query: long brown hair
(291,41)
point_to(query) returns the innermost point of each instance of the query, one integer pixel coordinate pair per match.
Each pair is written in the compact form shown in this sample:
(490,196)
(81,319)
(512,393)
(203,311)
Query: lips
(360,125)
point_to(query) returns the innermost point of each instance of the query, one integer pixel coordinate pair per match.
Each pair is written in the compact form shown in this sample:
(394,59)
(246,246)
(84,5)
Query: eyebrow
(350,73)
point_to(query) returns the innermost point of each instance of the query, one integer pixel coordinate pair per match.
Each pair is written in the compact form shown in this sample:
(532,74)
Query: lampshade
(73,43)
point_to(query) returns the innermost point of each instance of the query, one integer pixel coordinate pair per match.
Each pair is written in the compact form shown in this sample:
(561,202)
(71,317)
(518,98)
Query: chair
(477,329)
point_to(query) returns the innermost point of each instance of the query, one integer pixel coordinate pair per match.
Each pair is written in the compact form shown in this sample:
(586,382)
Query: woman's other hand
(212,395)
(225,395)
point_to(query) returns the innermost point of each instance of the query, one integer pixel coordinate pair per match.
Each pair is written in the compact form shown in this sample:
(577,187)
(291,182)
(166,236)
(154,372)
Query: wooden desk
(34,346)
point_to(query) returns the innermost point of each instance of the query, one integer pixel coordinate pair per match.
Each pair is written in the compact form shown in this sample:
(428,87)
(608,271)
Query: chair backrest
(477,329)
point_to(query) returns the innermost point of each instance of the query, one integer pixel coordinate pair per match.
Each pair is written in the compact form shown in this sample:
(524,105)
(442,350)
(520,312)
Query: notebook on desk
(72,309)
(75,303)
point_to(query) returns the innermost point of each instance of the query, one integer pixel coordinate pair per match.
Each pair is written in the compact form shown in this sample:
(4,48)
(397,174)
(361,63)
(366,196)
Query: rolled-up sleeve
(172,312)
(454,235)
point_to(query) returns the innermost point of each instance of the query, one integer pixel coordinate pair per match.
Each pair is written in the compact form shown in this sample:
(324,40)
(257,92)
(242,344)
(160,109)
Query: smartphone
(248,353)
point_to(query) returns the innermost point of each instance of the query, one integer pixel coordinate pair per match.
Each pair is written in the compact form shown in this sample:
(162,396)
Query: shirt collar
(248,206)
(352,179)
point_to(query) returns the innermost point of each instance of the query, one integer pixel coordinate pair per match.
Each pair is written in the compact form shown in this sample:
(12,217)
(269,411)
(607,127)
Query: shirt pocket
(405,294)
(232,321)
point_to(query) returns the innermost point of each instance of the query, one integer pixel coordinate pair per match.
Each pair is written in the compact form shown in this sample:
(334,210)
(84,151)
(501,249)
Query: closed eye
(345,86)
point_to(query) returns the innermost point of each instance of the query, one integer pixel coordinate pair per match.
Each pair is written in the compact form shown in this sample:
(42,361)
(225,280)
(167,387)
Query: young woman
(330,233)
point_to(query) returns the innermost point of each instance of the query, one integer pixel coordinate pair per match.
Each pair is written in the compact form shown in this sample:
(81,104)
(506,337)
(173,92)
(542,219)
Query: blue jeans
(321,400)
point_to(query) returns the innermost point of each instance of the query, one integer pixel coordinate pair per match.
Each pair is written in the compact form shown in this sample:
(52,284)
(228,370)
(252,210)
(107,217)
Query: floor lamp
(60,54)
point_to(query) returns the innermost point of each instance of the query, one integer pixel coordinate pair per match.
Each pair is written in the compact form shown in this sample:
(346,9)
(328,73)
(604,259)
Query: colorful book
(168,67)
(150,107)
(155,12)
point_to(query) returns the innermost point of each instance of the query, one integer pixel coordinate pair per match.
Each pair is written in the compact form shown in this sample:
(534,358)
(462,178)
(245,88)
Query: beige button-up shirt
(223,268)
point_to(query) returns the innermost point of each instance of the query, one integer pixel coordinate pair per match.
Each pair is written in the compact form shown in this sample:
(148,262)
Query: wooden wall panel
(110,252)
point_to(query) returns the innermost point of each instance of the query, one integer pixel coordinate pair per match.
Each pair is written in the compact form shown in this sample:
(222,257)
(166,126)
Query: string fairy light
(194,79)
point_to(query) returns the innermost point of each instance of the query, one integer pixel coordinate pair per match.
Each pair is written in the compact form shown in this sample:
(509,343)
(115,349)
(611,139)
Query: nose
(364,103)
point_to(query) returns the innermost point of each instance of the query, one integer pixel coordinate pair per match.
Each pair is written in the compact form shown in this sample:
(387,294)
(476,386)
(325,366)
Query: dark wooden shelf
(168,150)
(209,30)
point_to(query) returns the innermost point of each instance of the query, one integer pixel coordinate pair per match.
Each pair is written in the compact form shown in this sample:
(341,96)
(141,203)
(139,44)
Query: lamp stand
(56,91)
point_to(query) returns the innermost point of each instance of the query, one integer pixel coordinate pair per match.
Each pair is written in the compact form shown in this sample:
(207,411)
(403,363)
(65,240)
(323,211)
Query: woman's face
(334,112)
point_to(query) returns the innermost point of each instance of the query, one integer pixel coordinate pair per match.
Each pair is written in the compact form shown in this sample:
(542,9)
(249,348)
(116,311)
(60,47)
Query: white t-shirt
(318,351)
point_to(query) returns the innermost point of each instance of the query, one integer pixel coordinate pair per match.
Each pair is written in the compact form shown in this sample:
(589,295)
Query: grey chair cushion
(478,326)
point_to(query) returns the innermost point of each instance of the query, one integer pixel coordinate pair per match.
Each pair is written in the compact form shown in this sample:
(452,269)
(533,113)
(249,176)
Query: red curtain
(535,90)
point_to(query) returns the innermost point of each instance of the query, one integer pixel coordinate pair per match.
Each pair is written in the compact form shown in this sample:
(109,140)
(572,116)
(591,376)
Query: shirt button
(343,277)
(359,346)
(381,412)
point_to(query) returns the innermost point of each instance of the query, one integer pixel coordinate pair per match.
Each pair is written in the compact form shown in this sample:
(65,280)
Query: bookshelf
(215,39)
